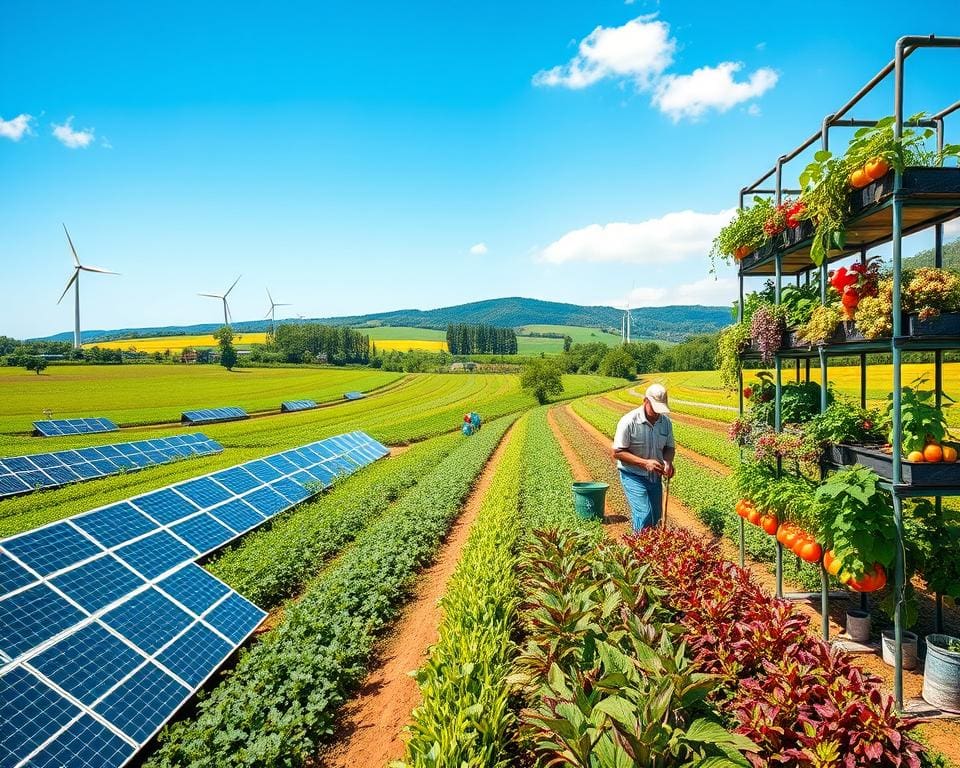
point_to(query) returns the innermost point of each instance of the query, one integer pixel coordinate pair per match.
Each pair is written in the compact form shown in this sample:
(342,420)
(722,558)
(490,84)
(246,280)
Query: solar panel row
(22,474)
(106,625)
(296,405)
(61,427)
(210,415)
(353,395)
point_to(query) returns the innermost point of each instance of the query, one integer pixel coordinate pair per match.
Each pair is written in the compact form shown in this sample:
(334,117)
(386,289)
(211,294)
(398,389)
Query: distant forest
(480,339)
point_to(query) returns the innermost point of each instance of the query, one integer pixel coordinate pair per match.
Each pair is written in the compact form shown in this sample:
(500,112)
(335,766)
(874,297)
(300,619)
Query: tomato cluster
(870,171)
(854,283)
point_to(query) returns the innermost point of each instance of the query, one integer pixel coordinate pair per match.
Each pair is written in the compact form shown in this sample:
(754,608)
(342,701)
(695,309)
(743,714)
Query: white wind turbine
(223,298)
(625,325)
(75,282)
(271,314)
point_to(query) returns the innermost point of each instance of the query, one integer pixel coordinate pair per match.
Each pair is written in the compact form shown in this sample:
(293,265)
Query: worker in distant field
(644,449)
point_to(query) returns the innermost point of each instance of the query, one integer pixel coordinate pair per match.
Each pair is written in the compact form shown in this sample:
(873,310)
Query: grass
(144,394)
(421,406)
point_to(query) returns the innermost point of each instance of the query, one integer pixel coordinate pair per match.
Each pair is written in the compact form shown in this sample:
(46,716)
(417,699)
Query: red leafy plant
(804,704)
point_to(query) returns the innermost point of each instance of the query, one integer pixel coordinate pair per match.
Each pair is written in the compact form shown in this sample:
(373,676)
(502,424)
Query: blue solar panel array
(353,395)
(22,474)
(211,415)
(106,624)
(297,405)
(64,427)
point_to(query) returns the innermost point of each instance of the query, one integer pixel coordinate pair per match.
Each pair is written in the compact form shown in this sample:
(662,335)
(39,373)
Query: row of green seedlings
(467,715)
(281,699)
(802,702)
(275,563)
(713,499)
(725,415)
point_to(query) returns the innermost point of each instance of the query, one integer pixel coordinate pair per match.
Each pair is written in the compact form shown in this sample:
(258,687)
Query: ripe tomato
(790,537)
(753,516)
(949,454)
(769,523)
(747,393)
(871,581)
(876,168)
(933,453)
(915,457)
(831,563)
(859,179)
(810,552)
(783,531)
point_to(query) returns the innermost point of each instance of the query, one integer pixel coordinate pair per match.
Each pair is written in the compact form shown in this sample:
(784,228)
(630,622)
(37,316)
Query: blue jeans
(645,498)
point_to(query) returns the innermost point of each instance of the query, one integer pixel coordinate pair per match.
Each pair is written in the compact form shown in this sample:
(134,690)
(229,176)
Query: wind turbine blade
(69,283)
(75,257)
(210,295)
(226,309)
(269,297)
(101,270)
(231,287)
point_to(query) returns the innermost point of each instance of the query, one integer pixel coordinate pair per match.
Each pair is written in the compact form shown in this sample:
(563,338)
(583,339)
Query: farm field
(144,394)
(177,344)
(703,387)
(581,335)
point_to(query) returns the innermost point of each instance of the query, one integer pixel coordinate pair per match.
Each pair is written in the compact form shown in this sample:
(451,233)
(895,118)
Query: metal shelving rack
(896,210)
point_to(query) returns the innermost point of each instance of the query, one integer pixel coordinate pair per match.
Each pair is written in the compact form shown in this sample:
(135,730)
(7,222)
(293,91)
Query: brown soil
(373,720)
(577,467)
(943,734)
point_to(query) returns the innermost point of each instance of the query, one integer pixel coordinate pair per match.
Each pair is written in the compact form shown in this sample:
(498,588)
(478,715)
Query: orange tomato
(740,252)
(790,538)
(871,581)
(915,457)
(949,454)
(753,517)
(769,523)
(876,168)
(831,563)
(859,179)
(783,531)
(811,552)
(933,453)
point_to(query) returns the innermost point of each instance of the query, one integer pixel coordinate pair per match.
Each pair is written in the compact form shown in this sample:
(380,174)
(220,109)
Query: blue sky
(365,157)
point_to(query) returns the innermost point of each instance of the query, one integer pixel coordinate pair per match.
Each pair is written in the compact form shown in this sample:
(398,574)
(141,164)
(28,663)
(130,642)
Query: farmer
(644,449)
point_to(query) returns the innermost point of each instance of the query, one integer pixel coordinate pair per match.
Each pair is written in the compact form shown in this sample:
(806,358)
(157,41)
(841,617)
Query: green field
(150,394)
(419,406)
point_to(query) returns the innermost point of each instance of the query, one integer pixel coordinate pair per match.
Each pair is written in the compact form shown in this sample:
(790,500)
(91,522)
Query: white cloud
(479,249)
(670,238)
(105,143)
(67,136)
(640,50)
(709,291)
(951,228)
(681,96)
(15,129)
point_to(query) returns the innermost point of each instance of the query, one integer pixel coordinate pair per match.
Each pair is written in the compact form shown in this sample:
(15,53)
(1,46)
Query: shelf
(929,196)
(919,479)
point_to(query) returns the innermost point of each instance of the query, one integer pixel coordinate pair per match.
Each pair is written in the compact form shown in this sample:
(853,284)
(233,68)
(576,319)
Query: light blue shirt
(644,440)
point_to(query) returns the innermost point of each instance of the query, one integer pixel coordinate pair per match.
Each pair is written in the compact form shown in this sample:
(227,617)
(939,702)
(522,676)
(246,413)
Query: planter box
(930,182)
(848,454)
(945,324)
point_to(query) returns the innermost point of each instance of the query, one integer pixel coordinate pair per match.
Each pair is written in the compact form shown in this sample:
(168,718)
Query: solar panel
(288,406)
(61,427)
(353,395)
(211,415)
(23,474)
(107,625)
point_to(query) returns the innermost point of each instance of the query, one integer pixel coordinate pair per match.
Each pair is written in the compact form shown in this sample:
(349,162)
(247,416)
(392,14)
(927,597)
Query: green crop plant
(281,699)
(274,563)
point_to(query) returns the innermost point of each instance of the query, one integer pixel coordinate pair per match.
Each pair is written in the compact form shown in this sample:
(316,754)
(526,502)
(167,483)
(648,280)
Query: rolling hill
(668,323)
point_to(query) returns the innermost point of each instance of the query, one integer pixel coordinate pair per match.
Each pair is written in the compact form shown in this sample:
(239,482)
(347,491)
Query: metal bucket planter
(941,674)
(858,625)
(589,500)
(889,644)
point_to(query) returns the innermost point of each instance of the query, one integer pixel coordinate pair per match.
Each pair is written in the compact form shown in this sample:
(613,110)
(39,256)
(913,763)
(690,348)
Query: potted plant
(745,233)
(767,327)
(731,344)
(941,672)
(821,326)
(932,300)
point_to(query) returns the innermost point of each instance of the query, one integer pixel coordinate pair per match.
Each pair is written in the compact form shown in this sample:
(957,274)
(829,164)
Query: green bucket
(588,500)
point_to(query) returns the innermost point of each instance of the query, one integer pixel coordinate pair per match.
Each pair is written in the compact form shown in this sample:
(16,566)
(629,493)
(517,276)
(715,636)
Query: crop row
(282,697)
(605,678)
(799,700)
(274,563)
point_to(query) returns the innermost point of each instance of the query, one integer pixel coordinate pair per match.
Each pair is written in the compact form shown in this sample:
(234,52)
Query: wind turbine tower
(223,298)
(271,314)
(75,282)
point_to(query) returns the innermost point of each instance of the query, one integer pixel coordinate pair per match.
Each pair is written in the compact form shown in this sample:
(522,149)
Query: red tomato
(876,168)
(811,552)
(769,523)
(753,516)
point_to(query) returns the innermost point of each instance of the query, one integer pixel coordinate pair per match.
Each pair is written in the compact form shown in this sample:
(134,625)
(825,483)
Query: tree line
(312,343)
(480,339)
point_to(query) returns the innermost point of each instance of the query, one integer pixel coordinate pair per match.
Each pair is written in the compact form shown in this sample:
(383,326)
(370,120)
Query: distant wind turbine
(270,313)
(625,325)
(75,282)
(223,298)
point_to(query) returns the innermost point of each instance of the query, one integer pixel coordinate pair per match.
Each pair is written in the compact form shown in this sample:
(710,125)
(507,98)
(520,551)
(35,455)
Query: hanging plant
(766,331)
(744,234)
(732,342)
(821,325)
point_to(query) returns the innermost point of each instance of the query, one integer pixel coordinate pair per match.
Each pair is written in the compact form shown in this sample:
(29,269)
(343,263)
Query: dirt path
(577,467)
(373,720)
(943,735)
